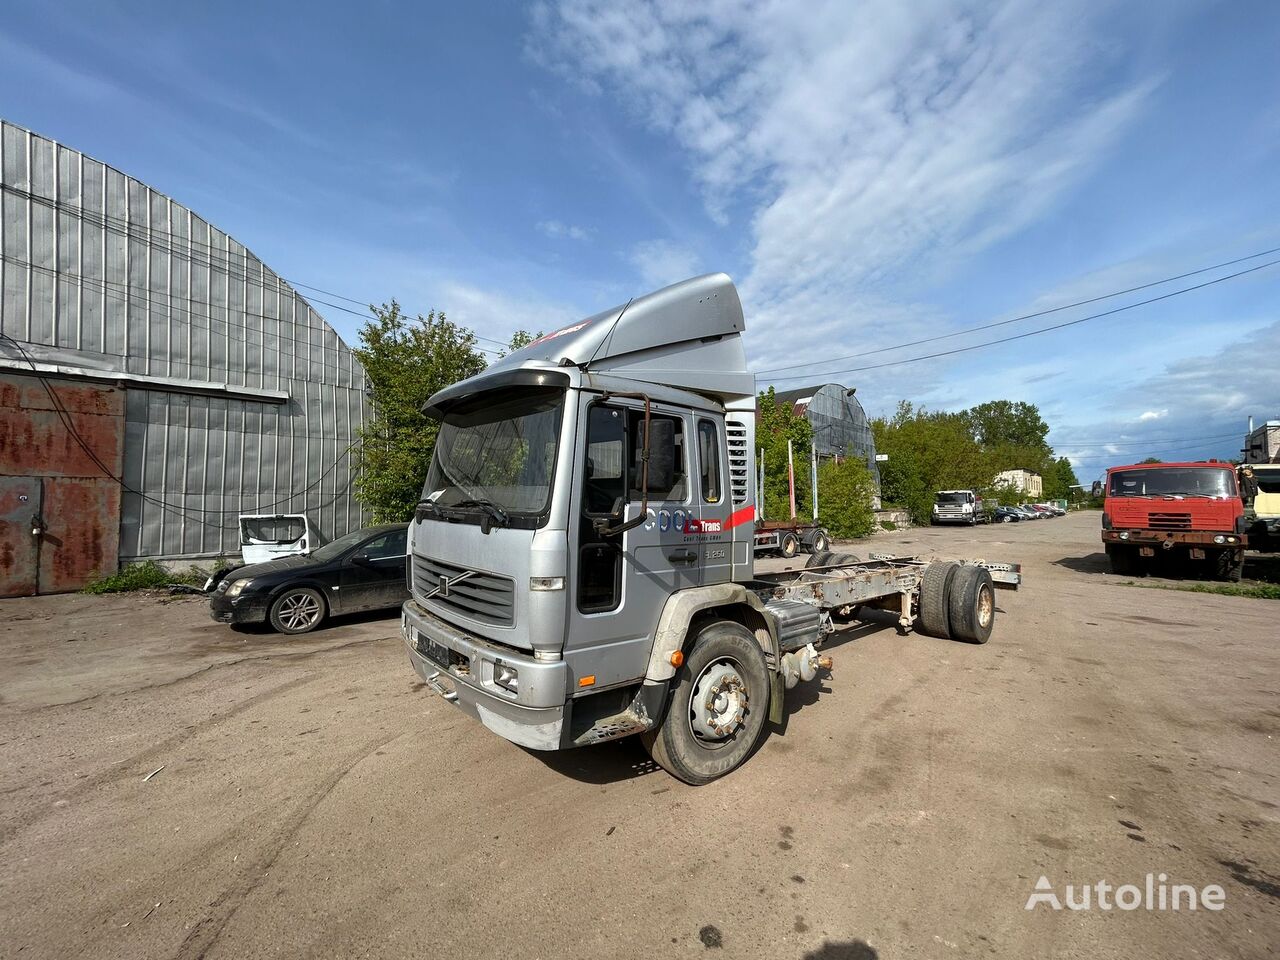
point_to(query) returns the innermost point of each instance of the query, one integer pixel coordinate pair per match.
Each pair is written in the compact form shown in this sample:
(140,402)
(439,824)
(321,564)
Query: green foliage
(521,339)
(1151,460)
(930,451)
(999,424)
(143,576)
(1261,591)
(845,492)
(406,362)
(778,423)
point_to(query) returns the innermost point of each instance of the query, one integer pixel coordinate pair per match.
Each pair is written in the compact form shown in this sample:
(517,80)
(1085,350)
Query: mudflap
(777,690)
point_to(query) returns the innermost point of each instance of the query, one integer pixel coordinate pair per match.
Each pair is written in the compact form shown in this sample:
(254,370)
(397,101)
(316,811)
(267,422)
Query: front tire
(820,543)
(298,610)
(719,704)
(1124,560)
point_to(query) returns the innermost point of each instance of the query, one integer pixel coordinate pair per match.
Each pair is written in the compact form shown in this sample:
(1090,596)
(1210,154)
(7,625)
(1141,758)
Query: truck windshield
(1172,481)
(496,454)
(953,498)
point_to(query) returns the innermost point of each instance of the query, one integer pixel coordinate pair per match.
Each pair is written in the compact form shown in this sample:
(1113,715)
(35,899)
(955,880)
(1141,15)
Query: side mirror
(662,454)
(361,559)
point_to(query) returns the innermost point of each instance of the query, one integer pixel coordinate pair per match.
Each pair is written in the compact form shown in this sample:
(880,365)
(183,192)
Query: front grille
(485,597)
(1169,521)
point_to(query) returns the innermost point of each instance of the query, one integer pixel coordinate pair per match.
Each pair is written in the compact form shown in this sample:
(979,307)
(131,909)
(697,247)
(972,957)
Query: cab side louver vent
(739,474)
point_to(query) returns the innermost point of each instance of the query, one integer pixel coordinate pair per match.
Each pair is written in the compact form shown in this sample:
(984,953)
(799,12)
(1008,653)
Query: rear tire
(789,545)
(831,559)
(935,587)
(820,543)
(727,669)
(971,605)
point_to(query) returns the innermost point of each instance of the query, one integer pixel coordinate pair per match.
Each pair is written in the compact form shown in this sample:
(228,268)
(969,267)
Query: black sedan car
(364,570)
(1006,515)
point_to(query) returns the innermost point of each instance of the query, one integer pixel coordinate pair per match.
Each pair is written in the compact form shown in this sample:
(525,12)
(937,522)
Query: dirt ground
(313,800)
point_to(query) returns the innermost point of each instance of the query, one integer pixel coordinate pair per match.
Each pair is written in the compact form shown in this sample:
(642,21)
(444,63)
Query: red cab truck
(1190,513)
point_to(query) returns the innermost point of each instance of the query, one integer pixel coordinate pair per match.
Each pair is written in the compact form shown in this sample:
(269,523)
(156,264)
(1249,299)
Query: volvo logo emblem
(442,587)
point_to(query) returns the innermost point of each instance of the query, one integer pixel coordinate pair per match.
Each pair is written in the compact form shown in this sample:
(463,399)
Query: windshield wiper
(488,506)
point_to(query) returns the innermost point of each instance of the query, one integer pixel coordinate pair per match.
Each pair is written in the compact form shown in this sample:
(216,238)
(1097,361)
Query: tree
(1059,478)
(405,361)
(778,423)
(1152,460)
(1008,423)
(928,452)
(846,489)
(521,339)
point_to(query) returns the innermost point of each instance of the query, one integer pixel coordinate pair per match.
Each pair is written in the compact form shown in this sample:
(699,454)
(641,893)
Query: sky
(870,174)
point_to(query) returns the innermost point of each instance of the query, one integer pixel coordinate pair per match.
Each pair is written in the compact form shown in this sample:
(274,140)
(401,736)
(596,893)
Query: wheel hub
(719,702)
(298,611)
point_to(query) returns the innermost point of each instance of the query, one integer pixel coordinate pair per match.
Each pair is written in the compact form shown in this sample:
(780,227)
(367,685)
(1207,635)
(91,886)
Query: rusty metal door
(20,504)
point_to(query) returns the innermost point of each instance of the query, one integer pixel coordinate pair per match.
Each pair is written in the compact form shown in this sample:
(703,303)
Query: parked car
(1027,512)
(1044,510)
(1007,515)
(364,570)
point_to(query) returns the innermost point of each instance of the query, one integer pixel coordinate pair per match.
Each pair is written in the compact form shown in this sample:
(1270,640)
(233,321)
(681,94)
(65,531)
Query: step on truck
(1188,515)
(581,562)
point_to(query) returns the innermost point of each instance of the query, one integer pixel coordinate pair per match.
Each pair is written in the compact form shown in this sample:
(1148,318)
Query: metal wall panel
(99,271)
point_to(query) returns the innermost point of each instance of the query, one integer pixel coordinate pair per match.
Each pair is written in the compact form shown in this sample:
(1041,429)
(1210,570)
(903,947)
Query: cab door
(715,542)
(621,581)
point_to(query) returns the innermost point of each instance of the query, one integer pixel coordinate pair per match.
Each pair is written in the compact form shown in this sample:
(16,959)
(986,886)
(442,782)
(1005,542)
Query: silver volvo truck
(581,560)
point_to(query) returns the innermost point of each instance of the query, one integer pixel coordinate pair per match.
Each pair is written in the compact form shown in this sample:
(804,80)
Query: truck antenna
(605,338)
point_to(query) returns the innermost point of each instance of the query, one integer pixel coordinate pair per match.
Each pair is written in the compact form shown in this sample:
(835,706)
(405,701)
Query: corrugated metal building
(840,425)
(168,357)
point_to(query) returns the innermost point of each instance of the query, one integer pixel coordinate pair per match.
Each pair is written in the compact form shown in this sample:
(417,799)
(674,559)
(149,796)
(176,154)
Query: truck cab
(958,506)
(581,561)
(1188,513)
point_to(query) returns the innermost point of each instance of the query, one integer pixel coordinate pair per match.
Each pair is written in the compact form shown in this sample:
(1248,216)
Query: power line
(1025,316)
(130,294)
(1141,443)
(147,233)
(1032,333)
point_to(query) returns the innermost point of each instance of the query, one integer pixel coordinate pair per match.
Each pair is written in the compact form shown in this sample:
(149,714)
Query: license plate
(437,653)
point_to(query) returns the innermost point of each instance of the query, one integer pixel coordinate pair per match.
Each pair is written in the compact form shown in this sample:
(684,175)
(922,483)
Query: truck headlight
(1219,539)
(237,588)
(1124,534)
(506,676)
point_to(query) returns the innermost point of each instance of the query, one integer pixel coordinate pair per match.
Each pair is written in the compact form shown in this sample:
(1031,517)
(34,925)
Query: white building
(1024,481)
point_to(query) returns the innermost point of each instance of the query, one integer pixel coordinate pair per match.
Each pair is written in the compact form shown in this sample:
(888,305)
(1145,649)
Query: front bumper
(534,717)
(1196,538)
(243,609)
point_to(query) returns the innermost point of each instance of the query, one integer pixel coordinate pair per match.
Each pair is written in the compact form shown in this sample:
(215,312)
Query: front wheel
(298,610)
(719,703)
(820,543)
(1124,560)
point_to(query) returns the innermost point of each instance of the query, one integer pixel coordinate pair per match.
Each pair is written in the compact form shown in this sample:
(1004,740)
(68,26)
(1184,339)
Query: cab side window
(709,460)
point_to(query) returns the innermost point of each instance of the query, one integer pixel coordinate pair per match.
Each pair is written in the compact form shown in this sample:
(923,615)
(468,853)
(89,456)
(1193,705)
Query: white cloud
(862,142)
(1152,415)
(662,262)
(557,230)
(496,315)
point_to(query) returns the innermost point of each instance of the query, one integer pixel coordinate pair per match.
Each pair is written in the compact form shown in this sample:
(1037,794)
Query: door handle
(683,556)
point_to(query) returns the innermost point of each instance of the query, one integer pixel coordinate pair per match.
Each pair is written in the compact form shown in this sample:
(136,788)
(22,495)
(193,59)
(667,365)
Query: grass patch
(1261,591)
(888,525)
(144,576)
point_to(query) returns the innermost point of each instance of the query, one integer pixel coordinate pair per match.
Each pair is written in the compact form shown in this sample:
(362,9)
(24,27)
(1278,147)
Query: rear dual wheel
(957,602)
